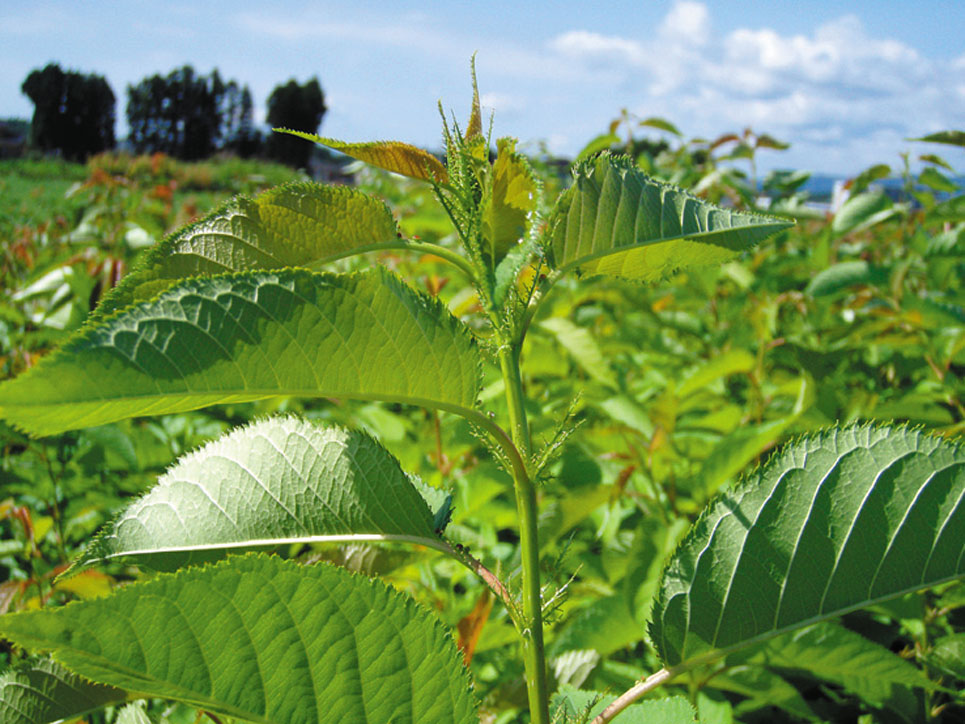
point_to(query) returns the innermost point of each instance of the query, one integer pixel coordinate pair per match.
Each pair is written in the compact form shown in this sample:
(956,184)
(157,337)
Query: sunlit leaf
(264,640)
(615,220)
(295,225)
(513,196)
(394,156)
(251,336)
(277,481)
(837,521)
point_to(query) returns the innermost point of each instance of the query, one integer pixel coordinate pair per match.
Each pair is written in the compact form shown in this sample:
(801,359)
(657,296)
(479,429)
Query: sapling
(239,307)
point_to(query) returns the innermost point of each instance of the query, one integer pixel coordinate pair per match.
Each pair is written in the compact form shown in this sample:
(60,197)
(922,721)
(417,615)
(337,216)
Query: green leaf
(732,362)
(843,275)
(47,692)
(574,702)
(864,179)
(837,655)
(763,688)
(948,655)
(951,210)
(298,224)
(952,138)
(265,640)
(600,143)
(661,124)
(861,212)
(512,197)
(838,521)
(616,220)
(251,336)
(277,481)
(745,444)
(937,180)
(133,713)
(393,156)
(580,344)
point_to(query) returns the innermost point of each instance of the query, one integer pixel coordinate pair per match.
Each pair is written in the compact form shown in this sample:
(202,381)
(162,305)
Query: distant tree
(187,115)
(238,133)
(299,107)
(74,113)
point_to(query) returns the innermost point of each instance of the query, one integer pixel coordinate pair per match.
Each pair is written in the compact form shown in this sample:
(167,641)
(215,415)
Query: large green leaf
(838,521)
(298,224)
(616,220)
(264,640)
(277,481)
(393,156)
(47,692)
(250,336)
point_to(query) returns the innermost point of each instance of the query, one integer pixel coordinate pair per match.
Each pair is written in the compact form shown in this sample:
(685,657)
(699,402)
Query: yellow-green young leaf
(474,126)
(512,198)
(616,220)
(47,692)
(837,521)
(295,225)
(393,156)
(277,481)
(263,640)
(251,336)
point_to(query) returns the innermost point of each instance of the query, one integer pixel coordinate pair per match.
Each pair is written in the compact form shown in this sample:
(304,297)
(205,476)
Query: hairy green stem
(533,652)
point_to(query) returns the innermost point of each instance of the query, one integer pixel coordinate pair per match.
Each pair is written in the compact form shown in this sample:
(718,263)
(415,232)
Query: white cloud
(829,91)
(593,47)
(687,21)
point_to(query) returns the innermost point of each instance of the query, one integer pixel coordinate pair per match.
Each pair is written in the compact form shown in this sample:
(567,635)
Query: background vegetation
(855,314)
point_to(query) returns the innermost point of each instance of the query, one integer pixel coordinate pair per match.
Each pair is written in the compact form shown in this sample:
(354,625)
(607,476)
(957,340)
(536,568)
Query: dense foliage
(824,585)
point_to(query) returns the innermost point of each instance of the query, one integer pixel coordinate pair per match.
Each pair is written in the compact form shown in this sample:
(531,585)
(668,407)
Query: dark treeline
(184,114)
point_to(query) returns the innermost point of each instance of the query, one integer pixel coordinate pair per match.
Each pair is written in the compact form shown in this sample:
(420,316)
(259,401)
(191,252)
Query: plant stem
(634,693)
(533,653)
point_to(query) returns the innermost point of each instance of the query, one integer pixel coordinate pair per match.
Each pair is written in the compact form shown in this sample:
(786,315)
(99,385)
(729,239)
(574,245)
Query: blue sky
(845,83)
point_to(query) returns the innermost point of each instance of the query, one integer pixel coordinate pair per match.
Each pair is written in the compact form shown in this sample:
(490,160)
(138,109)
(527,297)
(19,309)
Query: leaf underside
(279,480)
(837,521)
(244,337)
(294,225)
(46,692)
(615,220)
(265,640)
(394,156)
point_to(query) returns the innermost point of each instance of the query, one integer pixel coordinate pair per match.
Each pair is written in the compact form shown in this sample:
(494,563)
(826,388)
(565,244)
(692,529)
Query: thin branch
(462,554)
(634,693)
